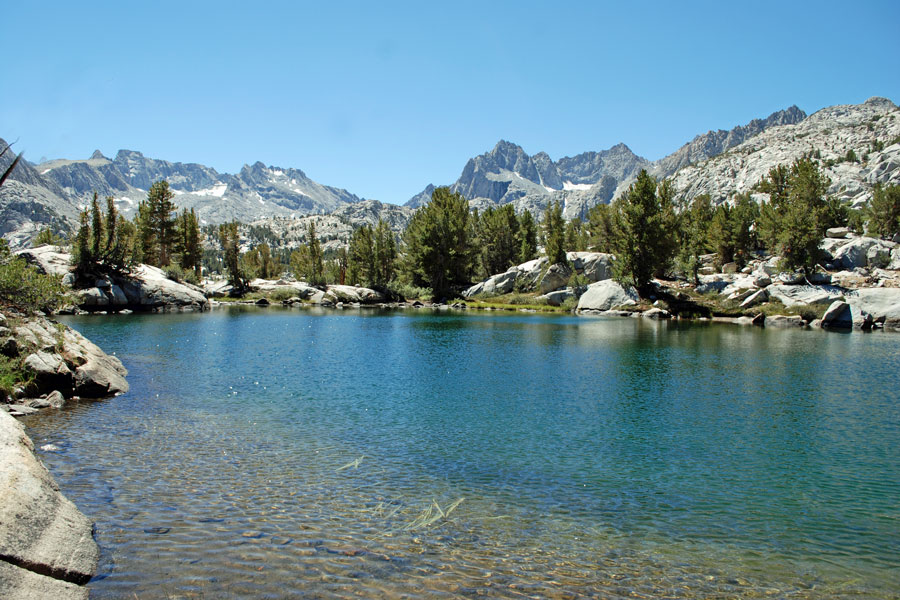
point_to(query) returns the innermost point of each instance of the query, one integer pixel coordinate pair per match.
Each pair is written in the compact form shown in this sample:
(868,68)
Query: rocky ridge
(216,197)
(860,283)
(507,174)
(870,130)
(30,202)
(47,549)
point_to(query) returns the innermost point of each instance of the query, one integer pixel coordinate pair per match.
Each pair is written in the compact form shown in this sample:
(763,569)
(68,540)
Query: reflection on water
(274,453)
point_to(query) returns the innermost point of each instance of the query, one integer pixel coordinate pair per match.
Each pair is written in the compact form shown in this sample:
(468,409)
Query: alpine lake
(368,453)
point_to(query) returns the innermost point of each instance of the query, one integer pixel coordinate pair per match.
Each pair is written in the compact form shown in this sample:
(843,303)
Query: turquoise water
(269,453)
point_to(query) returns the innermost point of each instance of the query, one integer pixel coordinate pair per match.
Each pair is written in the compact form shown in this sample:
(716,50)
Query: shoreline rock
(146,289)
(47,549)
(61,361)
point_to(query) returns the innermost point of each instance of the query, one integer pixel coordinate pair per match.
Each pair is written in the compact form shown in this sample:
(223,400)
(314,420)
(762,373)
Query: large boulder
(854,254)
(882,303)
(146,288)
(47,544)
(605,295)
(62,359)
(556,298)
(895,259)
(785,321)
(503,283)
(841,315)
(757,297)
(594,266)
(351,294)
(794,295)
(556,277)
(51,260)
(149,288)
(879,255)
(530,272)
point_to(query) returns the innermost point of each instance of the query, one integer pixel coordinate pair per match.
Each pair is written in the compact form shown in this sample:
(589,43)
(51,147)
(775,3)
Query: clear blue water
(269,453)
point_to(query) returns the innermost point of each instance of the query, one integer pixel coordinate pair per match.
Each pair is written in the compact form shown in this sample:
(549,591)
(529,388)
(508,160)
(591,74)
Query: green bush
(408,291)
(26,289)
(176,273)
(12,375)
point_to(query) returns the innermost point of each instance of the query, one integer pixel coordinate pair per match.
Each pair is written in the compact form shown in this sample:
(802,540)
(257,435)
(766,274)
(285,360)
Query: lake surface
(270,453)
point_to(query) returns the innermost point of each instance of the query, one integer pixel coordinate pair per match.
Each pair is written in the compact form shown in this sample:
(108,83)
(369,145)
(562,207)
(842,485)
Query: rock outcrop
(854,142)
(882,303)
(47,548)
(534,274)
(61,359)
(145,289)
(606,295)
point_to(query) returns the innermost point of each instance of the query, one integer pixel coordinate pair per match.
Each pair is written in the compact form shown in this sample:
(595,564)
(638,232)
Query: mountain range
(719,163)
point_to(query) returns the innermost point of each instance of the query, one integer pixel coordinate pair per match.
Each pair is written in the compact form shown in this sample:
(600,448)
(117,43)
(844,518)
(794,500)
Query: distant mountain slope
(713,143)
(333,230)
(257,191)
(507,174)
(868,129)
(30,202)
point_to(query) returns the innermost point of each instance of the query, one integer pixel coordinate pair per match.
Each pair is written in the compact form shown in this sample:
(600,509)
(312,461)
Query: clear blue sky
(383,98)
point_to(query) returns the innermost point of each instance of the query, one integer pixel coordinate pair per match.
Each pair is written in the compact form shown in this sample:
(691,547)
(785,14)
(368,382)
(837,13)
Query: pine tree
(884,211)
(306,261)
(438,244)
(189,247)
(601,225)
(103,245)
(385,253)
(554,234)
(156,224)
(230,240)
(497,230)
(644,240)
(694,234)
(361,257)
(96,230)
(721,237)
(526,238)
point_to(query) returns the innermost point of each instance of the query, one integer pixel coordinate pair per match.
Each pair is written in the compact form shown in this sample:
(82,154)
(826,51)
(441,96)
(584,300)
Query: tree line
(650,230)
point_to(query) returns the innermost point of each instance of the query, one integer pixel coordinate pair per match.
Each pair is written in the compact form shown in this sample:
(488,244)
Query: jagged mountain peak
(97,155)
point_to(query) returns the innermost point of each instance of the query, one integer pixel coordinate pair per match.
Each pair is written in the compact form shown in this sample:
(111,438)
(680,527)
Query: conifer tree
(884,211)
(230,240)
(189,246)
(554,234)
(601,225)
(438,249)
(527,237)
(156,224)
(644,241)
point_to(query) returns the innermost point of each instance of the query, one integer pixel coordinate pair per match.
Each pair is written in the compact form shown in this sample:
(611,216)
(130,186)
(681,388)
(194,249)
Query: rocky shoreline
(47,549)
